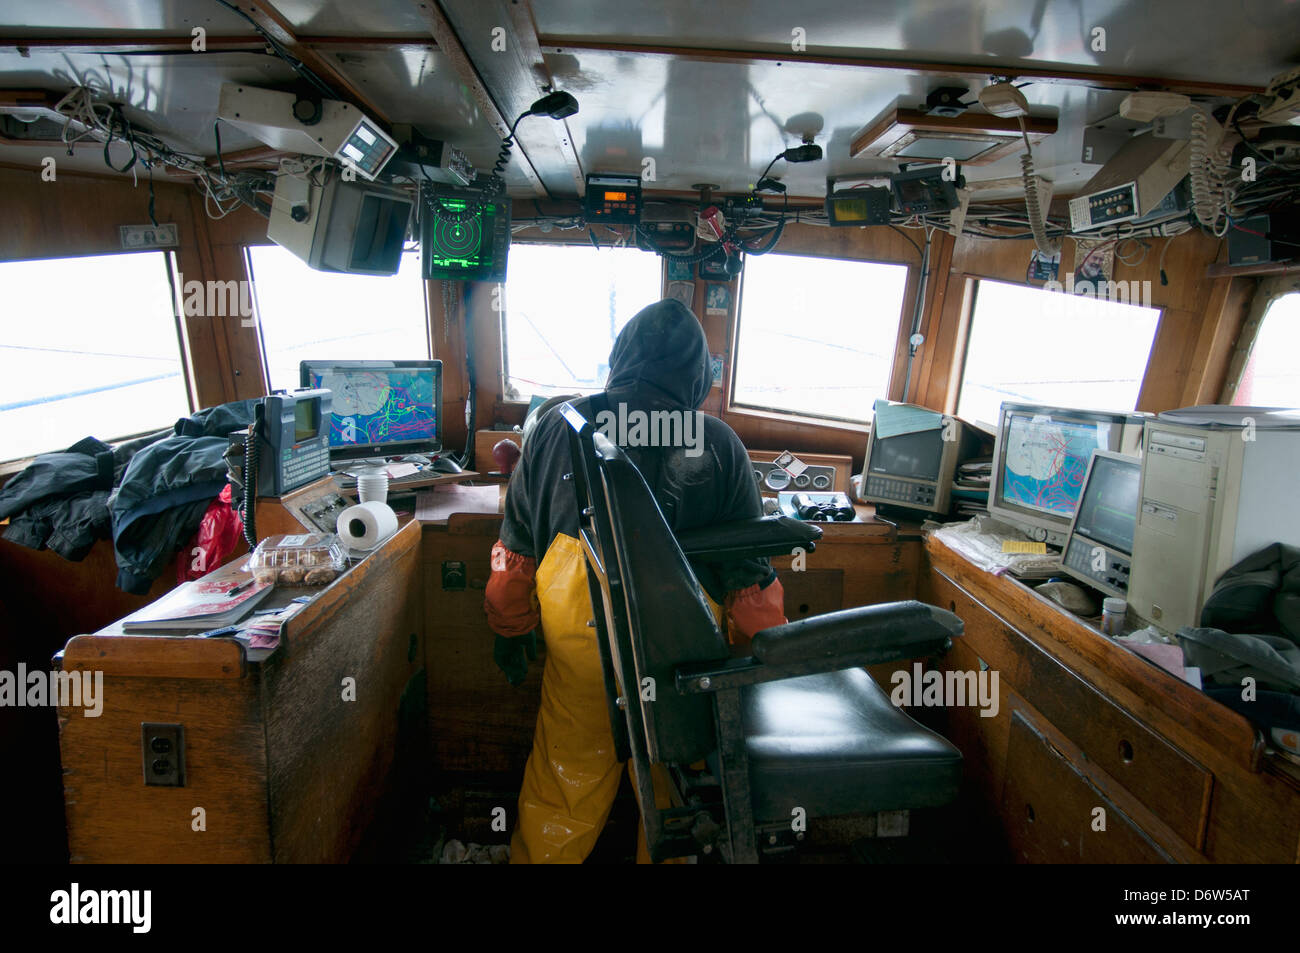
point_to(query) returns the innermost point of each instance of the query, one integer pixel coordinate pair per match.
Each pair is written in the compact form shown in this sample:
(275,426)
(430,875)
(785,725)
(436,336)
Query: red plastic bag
(218,536)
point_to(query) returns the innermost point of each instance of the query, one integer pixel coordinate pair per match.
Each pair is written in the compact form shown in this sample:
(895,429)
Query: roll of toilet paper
(366,525)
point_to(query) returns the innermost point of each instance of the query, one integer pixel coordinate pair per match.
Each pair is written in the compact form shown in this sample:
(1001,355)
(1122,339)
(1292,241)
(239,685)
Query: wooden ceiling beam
(142,41)
(451,47)
(278,27)
(145,41)
(532,66)
(1077,77)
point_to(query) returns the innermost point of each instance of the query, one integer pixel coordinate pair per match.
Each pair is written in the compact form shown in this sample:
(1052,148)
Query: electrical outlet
(453,575)
(163,750)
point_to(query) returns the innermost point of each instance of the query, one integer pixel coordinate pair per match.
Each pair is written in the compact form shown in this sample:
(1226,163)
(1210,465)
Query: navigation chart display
(373,407)
(1047,460)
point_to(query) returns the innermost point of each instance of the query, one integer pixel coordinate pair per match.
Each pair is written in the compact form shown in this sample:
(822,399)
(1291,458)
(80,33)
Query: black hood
(662,356)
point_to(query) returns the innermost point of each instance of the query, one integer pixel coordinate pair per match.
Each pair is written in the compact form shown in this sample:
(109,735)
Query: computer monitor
(915,470)
(381,408)
(1040,459)
(1099,549)
(354,228)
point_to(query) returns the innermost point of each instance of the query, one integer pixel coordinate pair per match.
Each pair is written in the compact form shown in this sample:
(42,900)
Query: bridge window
(1048,347)
(816,336)
(1271,377)
(91,349)
(312,315)
(564,306)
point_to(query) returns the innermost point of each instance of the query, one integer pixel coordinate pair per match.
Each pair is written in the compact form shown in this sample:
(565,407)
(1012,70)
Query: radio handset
(256,433)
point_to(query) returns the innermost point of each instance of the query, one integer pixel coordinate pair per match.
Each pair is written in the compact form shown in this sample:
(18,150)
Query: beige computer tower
(1218,483)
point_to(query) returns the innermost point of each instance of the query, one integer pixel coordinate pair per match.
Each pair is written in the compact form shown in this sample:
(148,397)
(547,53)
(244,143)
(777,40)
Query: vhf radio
(292,441)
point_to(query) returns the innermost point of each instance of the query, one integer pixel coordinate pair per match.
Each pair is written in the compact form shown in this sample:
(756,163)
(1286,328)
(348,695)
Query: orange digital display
(615,196)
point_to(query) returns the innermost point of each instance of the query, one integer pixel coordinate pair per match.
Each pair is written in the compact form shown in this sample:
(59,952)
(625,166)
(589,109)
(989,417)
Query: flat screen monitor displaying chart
(381,408)
(1041,458)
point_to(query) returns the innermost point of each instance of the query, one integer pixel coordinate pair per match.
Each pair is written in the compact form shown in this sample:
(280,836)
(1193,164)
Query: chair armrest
(851,638)
(905,628)
(747,539)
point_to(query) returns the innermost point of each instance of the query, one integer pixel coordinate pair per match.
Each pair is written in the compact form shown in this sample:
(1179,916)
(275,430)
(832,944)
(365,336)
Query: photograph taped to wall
(718,300)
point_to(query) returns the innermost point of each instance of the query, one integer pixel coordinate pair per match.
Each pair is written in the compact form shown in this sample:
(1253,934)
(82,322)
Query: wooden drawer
(1169,783)
(1052,811)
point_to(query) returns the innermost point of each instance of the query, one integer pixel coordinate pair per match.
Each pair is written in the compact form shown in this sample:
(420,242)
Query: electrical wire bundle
(222,191)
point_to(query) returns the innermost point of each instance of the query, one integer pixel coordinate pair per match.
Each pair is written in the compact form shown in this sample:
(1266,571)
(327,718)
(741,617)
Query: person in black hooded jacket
(659,363)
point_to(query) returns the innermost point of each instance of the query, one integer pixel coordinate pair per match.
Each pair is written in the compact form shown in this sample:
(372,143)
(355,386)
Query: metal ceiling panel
(1243,42)
(172,96)
(500,41)
(172,17)
(176,96)
(367,18)
(421,88)
(723,122)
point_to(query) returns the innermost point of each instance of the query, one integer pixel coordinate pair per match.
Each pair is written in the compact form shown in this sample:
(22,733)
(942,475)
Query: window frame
(894,384)
(171,264)
(1267,292)
(503,338)
(970,294)
(246,259)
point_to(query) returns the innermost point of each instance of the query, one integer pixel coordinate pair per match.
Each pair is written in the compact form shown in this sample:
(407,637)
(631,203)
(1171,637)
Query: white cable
(1036,226)
(1208,168)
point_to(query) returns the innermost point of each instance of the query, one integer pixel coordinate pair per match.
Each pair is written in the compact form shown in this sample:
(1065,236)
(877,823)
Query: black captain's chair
(797,725)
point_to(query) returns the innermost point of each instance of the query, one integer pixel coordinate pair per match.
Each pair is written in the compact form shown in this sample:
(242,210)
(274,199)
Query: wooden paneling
(477,721)
(1052,809)
(812,592)
(80,214)
(286,767)
(113,817)
(1142,761)
(873,564)
(329,754)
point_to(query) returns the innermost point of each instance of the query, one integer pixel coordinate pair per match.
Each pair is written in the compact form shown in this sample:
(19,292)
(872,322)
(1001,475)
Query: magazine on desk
(203,604)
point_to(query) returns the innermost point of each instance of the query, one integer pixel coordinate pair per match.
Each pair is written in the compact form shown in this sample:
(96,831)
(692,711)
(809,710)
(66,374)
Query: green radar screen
(464,237)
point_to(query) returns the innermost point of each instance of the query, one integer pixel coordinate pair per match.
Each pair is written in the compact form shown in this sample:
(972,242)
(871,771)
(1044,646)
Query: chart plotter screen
(377,407)
(1047,460)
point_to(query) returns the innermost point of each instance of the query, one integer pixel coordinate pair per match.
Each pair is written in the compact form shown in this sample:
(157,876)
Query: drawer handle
(1029,812)
(1125,751)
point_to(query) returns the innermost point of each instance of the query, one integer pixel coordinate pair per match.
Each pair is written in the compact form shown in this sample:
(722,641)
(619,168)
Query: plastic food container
(308,559)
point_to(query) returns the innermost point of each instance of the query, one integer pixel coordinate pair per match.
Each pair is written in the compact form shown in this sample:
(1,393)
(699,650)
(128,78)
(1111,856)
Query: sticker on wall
(679,270)
(1043,267)
(715,361)
(717,300)
(715,269)
(683,291)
